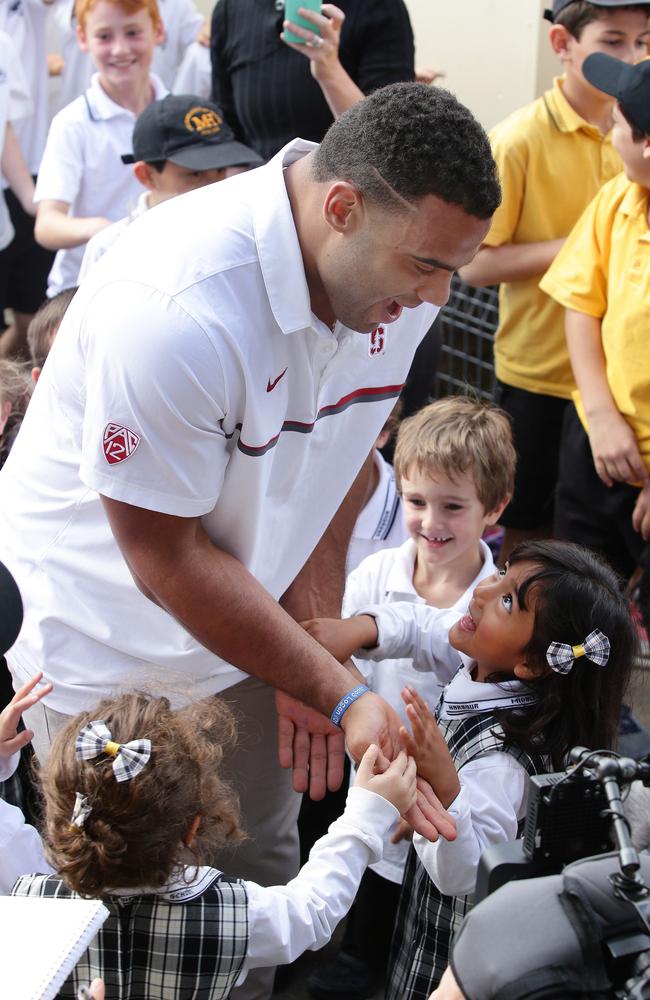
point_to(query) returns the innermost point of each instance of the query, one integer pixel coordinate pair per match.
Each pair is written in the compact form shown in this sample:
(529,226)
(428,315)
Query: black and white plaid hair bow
(560,656)
(95,739)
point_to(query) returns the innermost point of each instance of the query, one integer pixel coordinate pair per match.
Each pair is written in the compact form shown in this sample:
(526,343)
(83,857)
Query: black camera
(555,914)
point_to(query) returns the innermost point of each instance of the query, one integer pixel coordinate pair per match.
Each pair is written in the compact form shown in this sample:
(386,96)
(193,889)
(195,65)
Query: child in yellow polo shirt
(553,156)
(602,278)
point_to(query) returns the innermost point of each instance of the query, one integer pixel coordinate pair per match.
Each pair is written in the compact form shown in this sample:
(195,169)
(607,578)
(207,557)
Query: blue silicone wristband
(345,702)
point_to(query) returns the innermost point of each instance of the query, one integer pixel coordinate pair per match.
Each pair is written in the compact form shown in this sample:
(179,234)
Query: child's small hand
(615,449)
(641,513)
(10,742)
(342,637)
(427,745)
(397,783)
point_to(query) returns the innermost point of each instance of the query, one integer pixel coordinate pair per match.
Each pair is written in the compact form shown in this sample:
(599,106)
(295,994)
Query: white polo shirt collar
(274,227)
(101,107)
(399,581)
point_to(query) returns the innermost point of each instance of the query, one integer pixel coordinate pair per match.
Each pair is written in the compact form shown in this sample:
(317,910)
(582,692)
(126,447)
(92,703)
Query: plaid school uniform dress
(187,942)
(426,919)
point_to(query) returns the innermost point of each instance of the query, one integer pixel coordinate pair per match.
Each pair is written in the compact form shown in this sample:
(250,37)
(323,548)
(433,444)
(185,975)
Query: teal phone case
(290,8)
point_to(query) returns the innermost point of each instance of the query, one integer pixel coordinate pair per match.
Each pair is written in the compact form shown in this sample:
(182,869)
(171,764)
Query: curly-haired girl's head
(134,833)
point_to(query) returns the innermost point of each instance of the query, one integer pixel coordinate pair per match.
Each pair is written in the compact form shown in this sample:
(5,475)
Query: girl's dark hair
(133,836)
(573,592)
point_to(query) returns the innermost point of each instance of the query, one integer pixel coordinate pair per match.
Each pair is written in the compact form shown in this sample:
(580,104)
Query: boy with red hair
(83,185)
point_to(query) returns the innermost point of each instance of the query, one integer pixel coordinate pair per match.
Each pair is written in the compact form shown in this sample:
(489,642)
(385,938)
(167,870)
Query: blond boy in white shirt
(454,466)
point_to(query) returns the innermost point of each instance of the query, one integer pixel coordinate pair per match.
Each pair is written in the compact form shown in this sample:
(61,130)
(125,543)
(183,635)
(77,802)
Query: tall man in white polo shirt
(213,391)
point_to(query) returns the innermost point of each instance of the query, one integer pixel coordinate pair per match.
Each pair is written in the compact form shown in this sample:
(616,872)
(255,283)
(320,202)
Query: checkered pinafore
(155,948)
(426,919)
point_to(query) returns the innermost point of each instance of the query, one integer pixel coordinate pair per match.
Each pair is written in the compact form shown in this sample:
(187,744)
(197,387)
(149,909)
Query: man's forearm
(214,597)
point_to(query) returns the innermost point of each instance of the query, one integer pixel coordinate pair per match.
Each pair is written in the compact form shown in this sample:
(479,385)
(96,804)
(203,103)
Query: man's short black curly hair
(409,140)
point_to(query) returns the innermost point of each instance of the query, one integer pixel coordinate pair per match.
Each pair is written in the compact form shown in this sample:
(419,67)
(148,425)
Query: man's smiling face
(396,260)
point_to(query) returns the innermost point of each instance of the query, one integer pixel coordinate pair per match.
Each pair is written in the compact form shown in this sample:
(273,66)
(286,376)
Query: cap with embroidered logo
(560,5)
(188,131)
(630,85)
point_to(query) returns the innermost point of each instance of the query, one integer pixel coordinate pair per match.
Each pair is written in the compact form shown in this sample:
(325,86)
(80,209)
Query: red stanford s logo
(377,342)
(119,443)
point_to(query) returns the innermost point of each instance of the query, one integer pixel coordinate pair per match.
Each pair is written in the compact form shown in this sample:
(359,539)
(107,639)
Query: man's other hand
(311,745)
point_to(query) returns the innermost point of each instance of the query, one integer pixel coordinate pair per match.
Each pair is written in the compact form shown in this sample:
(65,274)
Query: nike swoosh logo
(270,385)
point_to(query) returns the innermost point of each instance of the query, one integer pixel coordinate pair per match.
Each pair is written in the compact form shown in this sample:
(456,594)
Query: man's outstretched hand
(315,750)
(310,745)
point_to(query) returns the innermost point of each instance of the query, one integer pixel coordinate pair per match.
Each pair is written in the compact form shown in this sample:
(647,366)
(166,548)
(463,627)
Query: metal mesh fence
(467,326)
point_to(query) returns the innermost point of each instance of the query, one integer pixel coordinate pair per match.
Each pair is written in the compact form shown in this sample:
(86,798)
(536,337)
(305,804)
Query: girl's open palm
(10,741)
(427,745)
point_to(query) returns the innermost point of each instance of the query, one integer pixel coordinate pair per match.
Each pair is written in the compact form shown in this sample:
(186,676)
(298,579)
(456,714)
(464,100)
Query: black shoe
(343,977)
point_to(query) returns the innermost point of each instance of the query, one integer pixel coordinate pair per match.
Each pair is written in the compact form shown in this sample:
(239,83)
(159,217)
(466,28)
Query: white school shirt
(21,848)
(494,788)
(15,104)
(194,74)
(25,21)
(189,376)
(385,578)
(493,798)
(181,21)
(82,165)
(286,920)
(380,525)
(98,244)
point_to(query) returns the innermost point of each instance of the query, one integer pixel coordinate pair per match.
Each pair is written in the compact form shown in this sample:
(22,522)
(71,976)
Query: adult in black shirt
(265,87)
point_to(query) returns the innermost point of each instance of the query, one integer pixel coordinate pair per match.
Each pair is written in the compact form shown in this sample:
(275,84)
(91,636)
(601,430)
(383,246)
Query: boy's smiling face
(120,43)
(445,518)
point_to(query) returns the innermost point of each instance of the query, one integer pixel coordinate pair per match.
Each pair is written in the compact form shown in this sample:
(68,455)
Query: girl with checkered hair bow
(134,812)
(545,652)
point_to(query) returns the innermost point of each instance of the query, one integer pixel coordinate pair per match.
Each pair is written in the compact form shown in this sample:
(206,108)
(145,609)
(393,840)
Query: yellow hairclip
(111,748)
(578,651)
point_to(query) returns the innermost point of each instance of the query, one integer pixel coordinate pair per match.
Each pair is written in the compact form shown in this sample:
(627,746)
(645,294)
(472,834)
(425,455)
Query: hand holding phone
(291,14)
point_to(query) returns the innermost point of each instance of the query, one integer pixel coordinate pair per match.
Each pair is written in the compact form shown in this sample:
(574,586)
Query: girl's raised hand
(10,741)
(427,745)
(397,783)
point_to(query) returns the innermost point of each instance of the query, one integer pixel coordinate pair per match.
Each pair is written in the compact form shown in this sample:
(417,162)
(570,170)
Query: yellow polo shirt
(603,270)
(551,163)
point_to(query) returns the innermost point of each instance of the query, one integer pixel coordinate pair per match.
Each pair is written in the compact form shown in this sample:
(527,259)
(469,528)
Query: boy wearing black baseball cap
(553,156)
(602,278)
(180,143)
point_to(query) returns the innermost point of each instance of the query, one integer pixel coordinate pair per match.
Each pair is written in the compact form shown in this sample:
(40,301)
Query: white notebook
(42,940)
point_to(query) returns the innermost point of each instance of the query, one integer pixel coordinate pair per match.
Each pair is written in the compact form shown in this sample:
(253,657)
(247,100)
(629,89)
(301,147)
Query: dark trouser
(594,515)
(536,430)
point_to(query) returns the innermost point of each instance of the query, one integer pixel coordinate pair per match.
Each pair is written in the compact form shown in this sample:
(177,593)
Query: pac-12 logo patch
(119,443)
(377,342)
